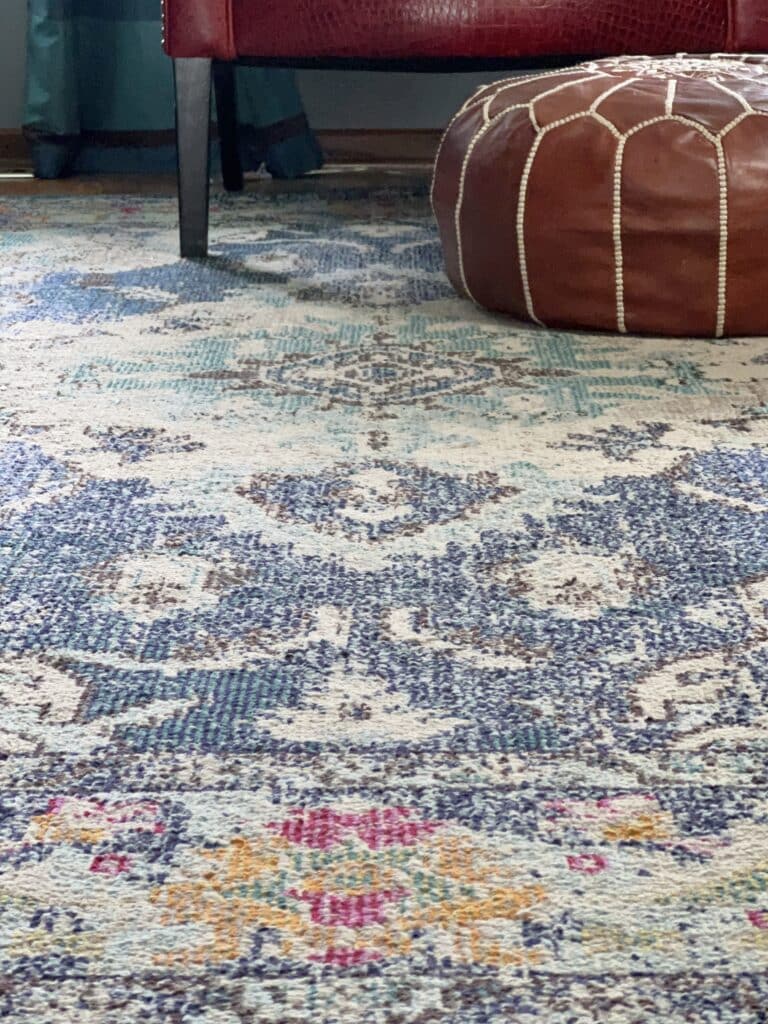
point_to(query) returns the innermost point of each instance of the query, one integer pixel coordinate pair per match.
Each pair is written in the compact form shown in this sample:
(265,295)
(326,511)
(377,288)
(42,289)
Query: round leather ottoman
(628,195)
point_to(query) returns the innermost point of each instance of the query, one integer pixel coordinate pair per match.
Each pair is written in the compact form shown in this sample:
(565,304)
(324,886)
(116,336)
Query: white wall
(358,99)
(348,99)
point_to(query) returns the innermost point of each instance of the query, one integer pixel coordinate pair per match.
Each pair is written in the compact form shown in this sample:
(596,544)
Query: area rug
(366,658)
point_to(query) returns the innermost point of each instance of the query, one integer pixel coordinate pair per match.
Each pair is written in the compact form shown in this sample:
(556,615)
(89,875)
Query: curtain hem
(288,149)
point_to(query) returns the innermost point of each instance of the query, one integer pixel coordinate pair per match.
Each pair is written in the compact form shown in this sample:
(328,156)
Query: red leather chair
(423,35)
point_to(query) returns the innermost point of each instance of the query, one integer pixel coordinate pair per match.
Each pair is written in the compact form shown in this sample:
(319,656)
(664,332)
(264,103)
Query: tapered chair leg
(226,115)
(193,118)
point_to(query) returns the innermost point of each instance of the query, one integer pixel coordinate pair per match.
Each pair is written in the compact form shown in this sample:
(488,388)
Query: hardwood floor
(355,147)
(15,182)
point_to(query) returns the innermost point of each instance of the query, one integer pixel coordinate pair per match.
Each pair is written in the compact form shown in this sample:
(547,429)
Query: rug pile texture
(366,658)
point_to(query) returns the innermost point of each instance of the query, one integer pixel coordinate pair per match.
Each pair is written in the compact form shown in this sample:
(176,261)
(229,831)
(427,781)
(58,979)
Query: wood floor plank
(332,177)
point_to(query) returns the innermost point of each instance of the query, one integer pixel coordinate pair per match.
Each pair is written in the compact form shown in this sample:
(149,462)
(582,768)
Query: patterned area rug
(366,658)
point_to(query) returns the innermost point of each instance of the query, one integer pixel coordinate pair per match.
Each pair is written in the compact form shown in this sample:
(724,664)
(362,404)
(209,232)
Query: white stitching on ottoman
(670,101)
(745,105)
(595,105)
(512,83)
(521,209)
(617,200)
(618,251)
(460,199)
(552,92)
(451,123)
(722,269)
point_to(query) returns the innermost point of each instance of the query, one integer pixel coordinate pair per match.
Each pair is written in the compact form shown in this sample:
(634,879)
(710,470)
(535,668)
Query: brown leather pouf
(627,195)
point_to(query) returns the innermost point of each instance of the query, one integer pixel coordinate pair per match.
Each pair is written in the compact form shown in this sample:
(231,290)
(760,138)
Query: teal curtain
(96,74)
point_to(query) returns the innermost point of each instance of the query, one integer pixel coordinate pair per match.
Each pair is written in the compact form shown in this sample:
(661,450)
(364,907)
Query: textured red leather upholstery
(749,25)
(199,28)
(413,29)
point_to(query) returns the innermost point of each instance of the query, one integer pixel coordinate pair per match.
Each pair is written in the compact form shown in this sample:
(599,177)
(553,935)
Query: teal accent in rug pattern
(366,658)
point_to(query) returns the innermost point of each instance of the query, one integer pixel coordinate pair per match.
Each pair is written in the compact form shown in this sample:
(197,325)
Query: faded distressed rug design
(366,658)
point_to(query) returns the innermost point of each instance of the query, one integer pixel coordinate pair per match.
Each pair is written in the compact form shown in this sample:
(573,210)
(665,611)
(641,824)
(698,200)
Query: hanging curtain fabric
(100,96)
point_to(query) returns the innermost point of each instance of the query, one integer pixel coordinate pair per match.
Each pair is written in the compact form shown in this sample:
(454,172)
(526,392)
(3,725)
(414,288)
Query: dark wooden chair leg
(193,118)
(226,115)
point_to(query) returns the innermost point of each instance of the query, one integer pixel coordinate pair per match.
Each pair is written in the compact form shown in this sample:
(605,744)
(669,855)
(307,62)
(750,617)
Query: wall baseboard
(13,149)
(368,146)
(343,146)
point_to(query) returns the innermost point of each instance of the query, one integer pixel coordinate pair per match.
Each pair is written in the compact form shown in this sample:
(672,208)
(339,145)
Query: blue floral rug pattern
(366,658)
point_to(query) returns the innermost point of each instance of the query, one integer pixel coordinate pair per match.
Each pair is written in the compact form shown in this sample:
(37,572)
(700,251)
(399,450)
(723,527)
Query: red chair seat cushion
(402,29)
(476,28)
(626,195)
